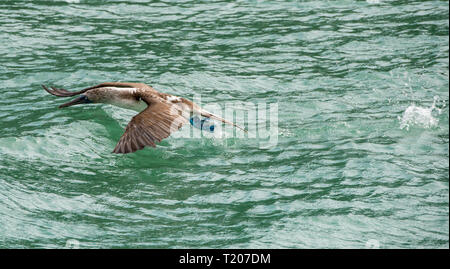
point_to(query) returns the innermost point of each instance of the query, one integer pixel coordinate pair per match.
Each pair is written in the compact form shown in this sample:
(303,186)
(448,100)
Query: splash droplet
(419,116)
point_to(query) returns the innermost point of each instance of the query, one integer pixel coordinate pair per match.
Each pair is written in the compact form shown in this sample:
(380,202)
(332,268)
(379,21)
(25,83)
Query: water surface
(363,138)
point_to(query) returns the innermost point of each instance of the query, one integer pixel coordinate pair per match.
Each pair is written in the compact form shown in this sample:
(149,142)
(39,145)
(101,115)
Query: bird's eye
(85,99)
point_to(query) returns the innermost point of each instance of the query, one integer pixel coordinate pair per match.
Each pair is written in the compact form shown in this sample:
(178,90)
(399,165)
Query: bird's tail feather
(205,113)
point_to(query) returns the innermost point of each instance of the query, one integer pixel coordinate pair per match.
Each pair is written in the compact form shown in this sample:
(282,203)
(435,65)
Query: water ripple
(349,77)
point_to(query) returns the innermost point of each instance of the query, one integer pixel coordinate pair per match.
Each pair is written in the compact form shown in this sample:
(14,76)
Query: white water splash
(420,116)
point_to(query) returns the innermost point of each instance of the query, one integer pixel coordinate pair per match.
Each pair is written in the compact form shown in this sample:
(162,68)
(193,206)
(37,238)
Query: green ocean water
(361,157)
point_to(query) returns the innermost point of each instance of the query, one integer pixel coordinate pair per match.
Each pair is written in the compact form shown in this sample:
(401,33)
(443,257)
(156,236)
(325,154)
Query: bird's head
(90,96)
(82,99)
(125,97)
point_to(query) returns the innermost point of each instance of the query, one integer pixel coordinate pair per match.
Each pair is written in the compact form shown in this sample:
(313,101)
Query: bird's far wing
(65,93)
(62,92)
(152,125)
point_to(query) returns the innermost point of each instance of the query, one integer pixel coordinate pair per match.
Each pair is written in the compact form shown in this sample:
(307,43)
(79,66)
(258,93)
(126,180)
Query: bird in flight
(159,115)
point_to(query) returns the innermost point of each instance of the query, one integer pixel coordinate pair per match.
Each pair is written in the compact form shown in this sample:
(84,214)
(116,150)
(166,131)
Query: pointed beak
(80,100)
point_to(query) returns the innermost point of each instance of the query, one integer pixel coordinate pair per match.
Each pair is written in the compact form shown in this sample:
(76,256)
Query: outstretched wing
(65,93)
(152,125)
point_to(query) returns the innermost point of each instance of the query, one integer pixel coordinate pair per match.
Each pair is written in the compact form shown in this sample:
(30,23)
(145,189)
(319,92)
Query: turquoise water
(362,151)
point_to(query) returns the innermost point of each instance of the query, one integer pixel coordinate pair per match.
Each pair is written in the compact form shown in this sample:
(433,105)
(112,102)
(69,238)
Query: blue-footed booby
(159,115)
